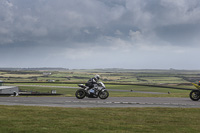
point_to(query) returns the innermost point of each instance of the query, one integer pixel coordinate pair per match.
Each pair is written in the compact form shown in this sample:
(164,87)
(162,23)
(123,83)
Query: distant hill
(35,69)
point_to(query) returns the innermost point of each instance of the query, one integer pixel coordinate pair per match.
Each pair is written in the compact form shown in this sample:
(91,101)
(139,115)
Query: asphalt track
(96,102)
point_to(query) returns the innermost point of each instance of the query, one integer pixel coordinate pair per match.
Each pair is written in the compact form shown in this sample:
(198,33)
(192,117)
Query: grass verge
(71,92)
(59,120)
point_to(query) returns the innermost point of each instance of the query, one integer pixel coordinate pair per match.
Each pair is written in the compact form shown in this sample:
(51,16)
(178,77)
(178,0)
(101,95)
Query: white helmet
(97,77)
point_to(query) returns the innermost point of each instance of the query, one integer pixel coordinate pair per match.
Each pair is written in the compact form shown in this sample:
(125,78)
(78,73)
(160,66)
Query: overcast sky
(85,34)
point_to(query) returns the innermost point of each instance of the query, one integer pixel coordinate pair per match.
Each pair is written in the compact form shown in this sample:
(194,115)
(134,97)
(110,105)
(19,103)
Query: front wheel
(195,95)
(80,94)
(103,94)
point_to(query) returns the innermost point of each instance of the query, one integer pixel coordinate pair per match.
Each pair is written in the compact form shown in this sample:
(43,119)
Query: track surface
(92,102)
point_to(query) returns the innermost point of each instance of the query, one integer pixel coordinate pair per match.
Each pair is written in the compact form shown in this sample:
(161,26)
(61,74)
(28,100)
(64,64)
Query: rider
(91,82)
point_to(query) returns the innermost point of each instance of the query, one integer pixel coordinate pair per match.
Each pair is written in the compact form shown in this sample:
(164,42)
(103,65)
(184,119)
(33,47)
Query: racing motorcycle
(99,90)
(195,94)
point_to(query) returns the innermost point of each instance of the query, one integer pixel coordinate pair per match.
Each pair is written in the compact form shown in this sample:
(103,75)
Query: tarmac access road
(96,102)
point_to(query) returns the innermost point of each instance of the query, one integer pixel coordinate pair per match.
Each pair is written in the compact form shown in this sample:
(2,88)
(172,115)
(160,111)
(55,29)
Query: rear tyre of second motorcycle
(195,95)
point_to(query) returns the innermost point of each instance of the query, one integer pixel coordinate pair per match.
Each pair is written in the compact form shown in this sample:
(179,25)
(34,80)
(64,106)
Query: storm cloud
(134,34)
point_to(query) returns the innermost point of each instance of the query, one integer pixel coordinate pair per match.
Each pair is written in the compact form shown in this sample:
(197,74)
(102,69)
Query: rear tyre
(103,94)
(80,94)
(195,95)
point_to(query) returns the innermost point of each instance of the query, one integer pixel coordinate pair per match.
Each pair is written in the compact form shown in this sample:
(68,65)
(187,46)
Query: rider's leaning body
(92,82)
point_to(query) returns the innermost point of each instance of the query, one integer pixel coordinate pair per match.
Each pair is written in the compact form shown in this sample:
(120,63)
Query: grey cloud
(67,21)
(55,20)
(181,34)
(111,25)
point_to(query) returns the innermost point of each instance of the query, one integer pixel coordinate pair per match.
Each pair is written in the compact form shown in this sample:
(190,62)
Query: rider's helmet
(97,77)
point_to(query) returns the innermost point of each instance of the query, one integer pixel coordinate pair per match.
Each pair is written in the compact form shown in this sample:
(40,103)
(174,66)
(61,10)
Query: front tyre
(80,94)
(103,94)
(195,95)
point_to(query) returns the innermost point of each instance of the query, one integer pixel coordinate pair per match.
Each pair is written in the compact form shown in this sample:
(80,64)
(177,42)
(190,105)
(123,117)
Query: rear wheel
(80,94)
(103,94)
(195,95)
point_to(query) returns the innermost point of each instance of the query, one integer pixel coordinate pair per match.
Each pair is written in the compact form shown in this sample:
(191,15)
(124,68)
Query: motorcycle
(99,90)
(195,94)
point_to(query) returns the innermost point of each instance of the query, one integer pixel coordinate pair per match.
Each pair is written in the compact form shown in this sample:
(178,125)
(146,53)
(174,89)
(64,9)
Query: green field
(70,92)
(18,119)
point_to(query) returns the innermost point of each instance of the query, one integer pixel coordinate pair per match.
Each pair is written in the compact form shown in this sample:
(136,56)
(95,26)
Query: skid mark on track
(139,103)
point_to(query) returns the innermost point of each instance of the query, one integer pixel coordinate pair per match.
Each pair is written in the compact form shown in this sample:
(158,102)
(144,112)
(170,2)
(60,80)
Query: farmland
(121,79)
(107,75)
